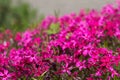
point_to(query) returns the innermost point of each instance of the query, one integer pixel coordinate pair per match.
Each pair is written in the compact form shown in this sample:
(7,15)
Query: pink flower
(81,65)
(37,41)
(98,73)
(90,78)
(5,75)
(113,72)
(18,36)
(67,69)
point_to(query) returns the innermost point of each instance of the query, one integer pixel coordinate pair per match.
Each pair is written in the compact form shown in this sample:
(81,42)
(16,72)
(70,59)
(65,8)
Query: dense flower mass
(72,47)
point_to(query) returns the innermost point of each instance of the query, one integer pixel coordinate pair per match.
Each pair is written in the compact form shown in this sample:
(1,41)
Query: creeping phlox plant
(84,46)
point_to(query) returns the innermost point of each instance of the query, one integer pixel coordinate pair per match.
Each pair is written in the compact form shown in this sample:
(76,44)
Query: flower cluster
(76,47)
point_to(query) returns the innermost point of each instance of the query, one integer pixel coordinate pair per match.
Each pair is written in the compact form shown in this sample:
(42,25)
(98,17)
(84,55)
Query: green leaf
(42,76)
(105,44)
(33,79)
(53,29)
(115,78)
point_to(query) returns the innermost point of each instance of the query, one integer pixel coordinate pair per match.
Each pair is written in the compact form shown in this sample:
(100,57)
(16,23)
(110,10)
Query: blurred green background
(16,17)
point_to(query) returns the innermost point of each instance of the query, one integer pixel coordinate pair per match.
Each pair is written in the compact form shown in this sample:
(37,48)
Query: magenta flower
(67,69)
(18,36)
(81,65)
(5,75)
(113,72)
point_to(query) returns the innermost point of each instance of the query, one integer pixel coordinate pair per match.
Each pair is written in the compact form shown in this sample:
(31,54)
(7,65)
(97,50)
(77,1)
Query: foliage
(53,29)
(15,17)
